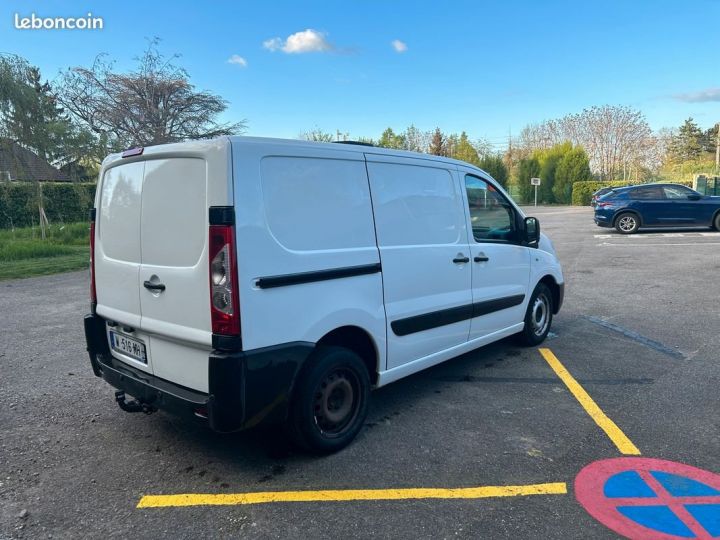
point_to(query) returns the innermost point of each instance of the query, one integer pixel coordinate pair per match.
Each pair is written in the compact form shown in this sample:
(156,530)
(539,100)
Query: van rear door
(117,258)
(173,278)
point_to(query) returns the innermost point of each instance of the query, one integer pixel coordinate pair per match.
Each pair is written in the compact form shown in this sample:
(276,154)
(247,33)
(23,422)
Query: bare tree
(617,139)
(318,135)
(154,104)
(416,140)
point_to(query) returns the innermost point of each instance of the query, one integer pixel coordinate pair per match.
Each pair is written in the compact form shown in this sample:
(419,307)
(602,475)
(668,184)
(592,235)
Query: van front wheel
(330,401)
(538,316)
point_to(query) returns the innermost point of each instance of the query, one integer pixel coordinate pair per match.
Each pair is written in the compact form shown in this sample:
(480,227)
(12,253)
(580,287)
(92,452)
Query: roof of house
(23,164)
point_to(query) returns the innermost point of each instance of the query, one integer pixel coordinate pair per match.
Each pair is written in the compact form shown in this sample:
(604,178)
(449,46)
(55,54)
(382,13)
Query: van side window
(317,204)
(415,205)
(491,216)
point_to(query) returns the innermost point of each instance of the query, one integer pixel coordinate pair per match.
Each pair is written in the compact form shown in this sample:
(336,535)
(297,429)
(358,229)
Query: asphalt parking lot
(639,333)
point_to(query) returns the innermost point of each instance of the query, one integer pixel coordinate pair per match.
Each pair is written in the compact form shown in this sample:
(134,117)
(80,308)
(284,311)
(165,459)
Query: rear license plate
(128,346)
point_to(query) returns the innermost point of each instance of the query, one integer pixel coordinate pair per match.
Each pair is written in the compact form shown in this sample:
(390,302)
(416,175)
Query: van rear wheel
(330,401)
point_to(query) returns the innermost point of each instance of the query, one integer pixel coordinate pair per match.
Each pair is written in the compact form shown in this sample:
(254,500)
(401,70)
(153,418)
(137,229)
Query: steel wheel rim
(336,402)
(540,315)
(627,223)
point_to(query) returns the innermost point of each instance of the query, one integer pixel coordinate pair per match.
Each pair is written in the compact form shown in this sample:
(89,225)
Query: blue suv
(656,205)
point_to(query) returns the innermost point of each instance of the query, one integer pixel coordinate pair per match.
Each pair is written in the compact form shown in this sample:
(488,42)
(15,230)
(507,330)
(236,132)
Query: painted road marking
(335,495)
(665,235)
(616,435)
(651,498)
(604,244)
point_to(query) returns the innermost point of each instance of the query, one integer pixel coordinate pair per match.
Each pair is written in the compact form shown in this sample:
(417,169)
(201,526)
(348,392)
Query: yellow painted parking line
(616,435)
(200,499)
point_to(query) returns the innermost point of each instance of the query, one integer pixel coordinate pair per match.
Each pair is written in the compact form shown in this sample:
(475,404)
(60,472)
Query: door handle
(481,258)
(460,259)
(149,285)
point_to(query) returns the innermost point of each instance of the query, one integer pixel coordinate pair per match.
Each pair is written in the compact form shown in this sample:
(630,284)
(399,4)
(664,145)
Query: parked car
(599,193)
(245,280)
(656,205)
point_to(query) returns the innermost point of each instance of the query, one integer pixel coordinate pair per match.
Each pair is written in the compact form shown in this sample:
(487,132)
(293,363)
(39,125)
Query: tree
(465,151)
(687,144)
(574,166)
(437,144)
(527,168)
(317,135)
(549,160)
(154,104)
(710,138)
(389,139)
(494,165)
(415,140)
(31,116)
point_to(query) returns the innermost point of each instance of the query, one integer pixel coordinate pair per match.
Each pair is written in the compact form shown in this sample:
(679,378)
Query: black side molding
(318,275)
(222,215)
(498,304)
(435,319)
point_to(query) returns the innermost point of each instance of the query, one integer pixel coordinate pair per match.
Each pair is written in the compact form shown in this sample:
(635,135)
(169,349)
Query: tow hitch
(134,405)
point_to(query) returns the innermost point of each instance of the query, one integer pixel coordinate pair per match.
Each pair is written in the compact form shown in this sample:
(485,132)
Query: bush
(63,202)
(582,191)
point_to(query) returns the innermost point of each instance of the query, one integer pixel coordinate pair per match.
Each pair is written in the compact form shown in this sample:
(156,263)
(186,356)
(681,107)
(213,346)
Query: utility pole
(717,148)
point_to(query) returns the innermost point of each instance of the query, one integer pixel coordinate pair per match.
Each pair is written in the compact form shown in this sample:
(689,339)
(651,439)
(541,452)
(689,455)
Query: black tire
(716,222)
(538,317)
(627,223)
(330,401)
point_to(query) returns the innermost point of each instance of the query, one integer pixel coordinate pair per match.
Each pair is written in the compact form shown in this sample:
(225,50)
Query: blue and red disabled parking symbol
(651,498)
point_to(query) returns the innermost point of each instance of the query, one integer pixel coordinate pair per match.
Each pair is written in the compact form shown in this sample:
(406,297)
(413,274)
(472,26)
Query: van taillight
(224,298)
(93,292)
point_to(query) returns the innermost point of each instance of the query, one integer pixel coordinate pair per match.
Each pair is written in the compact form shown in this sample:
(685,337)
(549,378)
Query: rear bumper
(246,388)
(602,220)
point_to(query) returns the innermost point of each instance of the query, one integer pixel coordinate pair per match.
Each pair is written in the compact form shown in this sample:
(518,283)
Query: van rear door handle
(459,259)
(481,258)
(149,285)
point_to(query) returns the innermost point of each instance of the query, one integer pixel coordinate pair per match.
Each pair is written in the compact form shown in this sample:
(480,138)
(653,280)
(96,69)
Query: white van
(245,280)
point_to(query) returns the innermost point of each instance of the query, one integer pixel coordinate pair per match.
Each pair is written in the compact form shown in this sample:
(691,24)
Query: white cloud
(703,96)
(273,44)
(300,42)
(237,60)
(399,46)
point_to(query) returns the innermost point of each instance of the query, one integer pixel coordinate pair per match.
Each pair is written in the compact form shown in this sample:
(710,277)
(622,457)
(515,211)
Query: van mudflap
(257,383)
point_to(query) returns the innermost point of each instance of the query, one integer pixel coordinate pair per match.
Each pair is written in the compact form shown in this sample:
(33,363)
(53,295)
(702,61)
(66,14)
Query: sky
(487,68)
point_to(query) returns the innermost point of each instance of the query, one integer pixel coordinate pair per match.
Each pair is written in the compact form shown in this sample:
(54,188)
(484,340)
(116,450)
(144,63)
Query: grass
(24,253)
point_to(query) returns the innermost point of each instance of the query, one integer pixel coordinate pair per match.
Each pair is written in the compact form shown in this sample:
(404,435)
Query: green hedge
(63,202)
(582,191)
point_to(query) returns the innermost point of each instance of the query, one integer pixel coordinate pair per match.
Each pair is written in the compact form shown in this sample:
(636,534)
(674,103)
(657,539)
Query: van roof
(360,148)
(243,140)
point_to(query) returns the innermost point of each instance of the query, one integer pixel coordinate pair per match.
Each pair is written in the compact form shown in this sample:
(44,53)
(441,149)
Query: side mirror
(532,231)
(694,196)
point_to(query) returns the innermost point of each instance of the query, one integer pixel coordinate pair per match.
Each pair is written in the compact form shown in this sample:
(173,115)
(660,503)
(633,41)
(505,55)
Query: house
(20,164)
